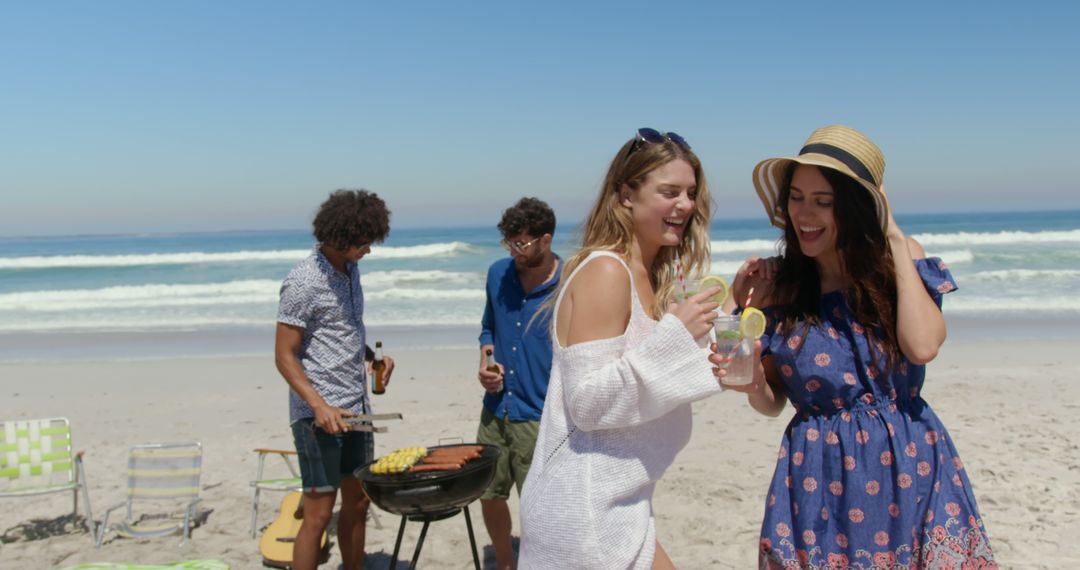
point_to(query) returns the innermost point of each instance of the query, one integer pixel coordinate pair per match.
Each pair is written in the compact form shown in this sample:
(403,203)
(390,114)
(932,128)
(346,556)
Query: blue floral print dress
(867,476)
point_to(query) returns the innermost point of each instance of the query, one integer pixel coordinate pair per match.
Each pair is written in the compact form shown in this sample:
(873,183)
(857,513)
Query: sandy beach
(1012,409)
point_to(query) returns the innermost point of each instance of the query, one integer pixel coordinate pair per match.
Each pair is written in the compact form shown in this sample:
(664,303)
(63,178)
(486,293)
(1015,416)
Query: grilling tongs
(362,422)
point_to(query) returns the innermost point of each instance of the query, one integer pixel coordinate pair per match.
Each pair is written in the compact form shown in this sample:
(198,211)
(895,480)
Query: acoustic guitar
(276,545)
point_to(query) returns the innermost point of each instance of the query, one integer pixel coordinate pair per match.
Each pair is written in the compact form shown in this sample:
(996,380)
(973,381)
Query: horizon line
(468,226)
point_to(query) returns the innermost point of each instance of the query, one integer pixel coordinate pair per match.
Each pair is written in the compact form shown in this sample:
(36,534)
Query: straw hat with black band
(840,148)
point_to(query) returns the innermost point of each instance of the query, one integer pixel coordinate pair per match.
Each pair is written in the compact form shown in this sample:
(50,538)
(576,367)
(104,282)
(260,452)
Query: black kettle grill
(431,496)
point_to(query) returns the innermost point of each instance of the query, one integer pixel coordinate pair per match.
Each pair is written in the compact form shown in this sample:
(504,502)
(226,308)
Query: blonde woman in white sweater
(626,365)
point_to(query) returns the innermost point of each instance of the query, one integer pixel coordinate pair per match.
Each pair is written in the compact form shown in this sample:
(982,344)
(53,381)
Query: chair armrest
(278,451)
(104,528)
(114,507)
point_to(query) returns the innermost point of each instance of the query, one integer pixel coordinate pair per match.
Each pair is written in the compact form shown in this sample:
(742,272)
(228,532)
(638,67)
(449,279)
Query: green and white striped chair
(283,485)
(36,458)
(163,489)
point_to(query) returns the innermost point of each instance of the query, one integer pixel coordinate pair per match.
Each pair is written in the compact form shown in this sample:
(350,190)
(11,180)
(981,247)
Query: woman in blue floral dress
(867,476)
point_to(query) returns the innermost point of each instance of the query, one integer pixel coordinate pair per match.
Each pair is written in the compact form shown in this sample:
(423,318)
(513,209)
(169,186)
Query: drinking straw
(681,277)
(735,347)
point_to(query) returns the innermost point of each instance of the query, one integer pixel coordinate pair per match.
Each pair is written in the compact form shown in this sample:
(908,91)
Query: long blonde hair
(610,226)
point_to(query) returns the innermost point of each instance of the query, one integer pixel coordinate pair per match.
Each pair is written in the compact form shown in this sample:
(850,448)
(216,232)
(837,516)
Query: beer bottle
(491,366)
(378,366)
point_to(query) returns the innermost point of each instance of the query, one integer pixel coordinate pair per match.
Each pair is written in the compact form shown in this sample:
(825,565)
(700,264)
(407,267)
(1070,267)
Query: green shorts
(517,440)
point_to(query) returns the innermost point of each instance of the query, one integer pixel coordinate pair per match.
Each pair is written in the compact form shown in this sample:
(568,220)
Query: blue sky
(177,116)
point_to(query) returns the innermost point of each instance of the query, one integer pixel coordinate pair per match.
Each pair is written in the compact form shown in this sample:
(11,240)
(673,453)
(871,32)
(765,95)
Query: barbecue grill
(431,496)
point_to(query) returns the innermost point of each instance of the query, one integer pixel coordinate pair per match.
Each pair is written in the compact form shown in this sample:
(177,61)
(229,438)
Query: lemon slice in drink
(713,281)
(752,324)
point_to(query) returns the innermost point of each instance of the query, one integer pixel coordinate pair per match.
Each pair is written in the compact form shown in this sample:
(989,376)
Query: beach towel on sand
(186,565)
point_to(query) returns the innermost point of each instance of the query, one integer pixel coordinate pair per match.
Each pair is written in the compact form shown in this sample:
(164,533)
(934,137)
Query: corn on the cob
(398,461)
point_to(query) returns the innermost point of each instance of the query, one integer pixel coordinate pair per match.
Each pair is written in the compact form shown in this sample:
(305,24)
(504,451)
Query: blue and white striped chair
(36,458)
(163,489)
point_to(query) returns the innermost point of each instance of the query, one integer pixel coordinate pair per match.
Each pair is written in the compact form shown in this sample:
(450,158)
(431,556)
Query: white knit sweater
(617,413)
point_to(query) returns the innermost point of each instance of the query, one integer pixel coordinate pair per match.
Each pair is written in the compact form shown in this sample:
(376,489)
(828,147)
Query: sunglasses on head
(652,136)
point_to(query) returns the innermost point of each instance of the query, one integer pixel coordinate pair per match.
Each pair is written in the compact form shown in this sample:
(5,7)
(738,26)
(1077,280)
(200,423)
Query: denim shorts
(325,458)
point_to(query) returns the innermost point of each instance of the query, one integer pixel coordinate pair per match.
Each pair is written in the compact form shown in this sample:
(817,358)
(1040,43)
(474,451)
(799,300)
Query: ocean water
(1007,264)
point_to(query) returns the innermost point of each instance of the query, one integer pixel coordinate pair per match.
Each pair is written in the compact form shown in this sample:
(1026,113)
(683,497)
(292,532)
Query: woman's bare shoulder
(601,277)
(915,248)
(600,295)
(603,267)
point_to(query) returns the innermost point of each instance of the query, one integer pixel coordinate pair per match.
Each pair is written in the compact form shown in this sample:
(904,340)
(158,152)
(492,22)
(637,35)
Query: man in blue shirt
(517,288)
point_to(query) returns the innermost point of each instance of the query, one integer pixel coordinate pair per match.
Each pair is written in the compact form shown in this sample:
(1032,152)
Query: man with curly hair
(321,350)
(517,287)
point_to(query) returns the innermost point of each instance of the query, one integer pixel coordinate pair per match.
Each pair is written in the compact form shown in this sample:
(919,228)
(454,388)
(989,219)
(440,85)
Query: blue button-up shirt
(522,345)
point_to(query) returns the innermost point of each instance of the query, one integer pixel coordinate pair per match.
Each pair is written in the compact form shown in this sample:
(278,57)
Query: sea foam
(997,238)
(233,293)
(198,257)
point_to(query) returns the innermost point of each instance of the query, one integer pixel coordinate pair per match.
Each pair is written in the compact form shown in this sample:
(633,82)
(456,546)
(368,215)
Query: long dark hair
(865,258)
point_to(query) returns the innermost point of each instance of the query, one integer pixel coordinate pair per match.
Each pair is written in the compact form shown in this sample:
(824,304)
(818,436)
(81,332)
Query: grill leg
(419,544)
(472,539)
(397,543)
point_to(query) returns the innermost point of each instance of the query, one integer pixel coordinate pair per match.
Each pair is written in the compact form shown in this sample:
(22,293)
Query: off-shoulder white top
(617,413)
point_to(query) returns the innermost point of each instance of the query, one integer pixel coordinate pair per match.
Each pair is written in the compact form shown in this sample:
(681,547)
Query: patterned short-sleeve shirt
(329,306)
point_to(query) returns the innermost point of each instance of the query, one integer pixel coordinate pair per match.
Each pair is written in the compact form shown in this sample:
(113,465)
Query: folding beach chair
(36,458)
(293,483)
(162,488)
(286,484)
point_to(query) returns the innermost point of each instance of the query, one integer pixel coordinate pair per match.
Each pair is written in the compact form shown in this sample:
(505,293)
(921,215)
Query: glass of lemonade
(731,343)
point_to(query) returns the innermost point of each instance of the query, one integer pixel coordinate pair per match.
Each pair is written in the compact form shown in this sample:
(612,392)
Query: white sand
(1012,411)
